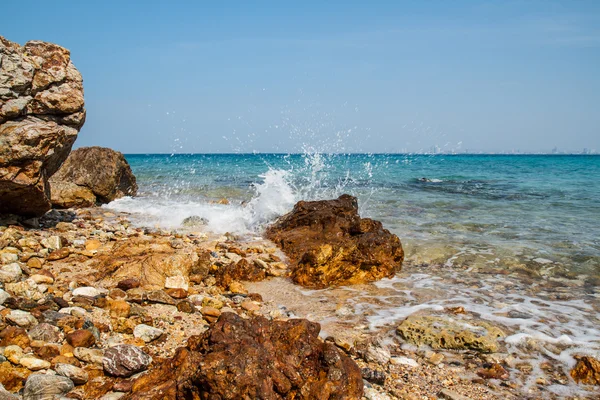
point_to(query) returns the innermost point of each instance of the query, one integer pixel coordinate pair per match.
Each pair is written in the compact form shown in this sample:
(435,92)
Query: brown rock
(130,283)
(329,244)
(125,360)
(494,371)
(13,335)
(92,175)
(186,307)
(48,352)
(117,294)
(81,338)
(35,262)
(254,358)
(587,371)
(92,244)
(177,293)
(41,112)
(59,254)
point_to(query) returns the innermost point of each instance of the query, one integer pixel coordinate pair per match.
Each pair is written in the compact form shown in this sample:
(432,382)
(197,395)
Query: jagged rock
(146,333)
(41,112)
(441,333)
(125,360)
(12,377)
(254,358)
(329,244)
(92,175)
(587,371)
(241,270)
(46,387)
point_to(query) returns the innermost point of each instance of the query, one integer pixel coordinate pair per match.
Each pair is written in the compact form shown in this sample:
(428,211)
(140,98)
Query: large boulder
(254,359)
(41,112)
(90,176)
(329,244)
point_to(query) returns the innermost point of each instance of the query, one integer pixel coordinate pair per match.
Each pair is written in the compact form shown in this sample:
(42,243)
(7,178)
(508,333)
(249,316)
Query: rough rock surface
(587,371)
(266,360)
(149,261)
(90,176)
(125,360)
(329,244)
(442,333)
(46,387)
(41,112)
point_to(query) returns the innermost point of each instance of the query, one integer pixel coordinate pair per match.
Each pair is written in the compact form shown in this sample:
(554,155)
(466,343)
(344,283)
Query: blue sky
(240,76)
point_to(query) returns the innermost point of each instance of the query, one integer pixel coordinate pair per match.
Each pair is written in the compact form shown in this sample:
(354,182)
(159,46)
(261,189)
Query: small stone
(125,360)
(94,356)
(127,284)
(35,262)
(435,358)
(74,311)
(45,332)
(87,291)
(6,257)
(40,278)
(77,375)
(177,282)
(14,335)
(33,363)
(22,319)
(237,287)
(451,395)
(27,289)
(59,254)
(587,371)
(10,273)
(377,354)
(3,296)
(81,338)
(119,308)
(46,387)
(147,333)
(212,302)
(159,296)
(186,307)
(373,375)
(6,395)
(250,306)
(52,242)
(13,354)
(404,361)
(494,371)
(177,293)
(210,311)
(117,294)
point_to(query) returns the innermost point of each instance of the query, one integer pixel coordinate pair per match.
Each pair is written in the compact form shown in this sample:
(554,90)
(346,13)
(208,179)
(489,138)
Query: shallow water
(512,239)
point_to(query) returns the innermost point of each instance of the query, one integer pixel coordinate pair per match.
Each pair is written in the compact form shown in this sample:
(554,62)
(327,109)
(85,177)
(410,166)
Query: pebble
(250,306)
(3,296)
(59,254)
(10,273)
(74,311)
(125,360)
(130,283)
(45,332)
(46,387)
(146,332)
(404,361)
(52,242)
(377,354)
(78,375)
(451,395)
(88,291)
(13,353)
(40,278)
(94,356)
(23,319)
(81,338)
(33,363)
(186,307)
(159,296)
(177,282)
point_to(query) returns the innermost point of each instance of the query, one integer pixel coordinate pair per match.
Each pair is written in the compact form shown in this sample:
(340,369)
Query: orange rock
(177,293)
(119,308)
(59,254)
(587,371)
(35,263)
(13,378)
(329,244)
(81,338)
(12,335)
(92,244)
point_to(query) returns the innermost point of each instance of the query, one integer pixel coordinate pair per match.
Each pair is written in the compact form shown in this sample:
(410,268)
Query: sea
(513,239)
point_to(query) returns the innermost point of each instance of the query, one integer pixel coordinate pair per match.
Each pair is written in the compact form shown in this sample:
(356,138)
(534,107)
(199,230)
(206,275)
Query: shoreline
(409,371)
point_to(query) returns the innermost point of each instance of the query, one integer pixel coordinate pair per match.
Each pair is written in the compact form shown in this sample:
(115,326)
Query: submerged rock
(41,112)
(92,175)
(441,333)
(254,358)
(329,244)
(587,371)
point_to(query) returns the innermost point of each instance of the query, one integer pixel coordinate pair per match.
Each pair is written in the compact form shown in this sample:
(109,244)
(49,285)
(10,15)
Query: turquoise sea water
(543,206)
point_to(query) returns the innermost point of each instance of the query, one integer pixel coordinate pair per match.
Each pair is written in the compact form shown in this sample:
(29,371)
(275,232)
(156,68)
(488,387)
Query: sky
(335,76)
